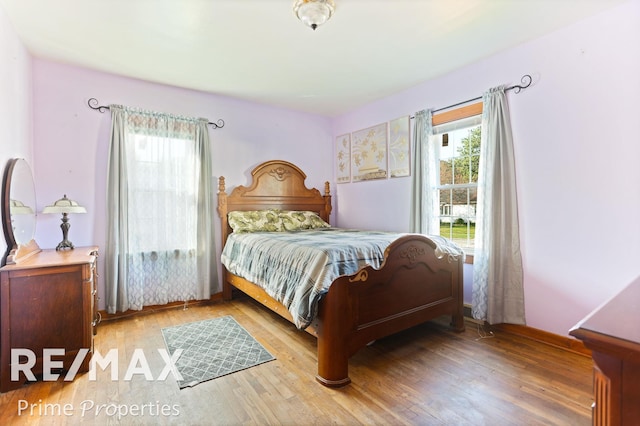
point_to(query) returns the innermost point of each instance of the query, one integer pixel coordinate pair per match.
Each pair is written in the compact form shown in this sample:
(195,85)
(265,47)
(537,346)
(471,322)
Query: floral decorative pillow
(296,220)
(255,221)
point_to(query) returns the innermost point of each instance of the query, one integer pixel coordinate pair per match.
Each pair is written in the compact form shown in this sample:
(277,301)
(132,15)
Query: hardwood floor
(424,376)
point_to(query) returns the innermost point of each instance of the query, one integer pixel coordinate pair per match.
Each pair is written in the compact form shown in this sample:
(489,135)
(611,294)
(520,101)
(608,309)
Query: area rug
(212,348)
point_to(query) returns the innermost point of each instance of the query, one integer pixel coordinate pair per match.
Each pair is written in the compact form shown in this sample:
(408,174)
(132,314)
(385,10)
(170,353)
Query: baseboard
(469,317)
(562,342)
(104,316)
(567,343)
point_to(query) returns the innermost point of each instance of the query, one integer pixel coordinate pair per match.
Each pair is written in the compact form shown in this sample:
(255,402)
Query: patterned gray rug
(213,348)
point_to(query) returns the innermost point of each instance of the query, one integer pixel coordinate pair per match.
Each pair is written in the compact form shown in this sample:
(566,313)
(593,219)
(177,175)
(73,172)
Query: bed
(416,282)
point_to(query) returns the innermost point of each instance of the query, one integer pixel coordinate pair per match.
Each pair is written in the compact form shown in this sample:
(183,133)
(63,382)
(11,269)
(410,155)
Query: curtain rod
(525,80)
(94,105)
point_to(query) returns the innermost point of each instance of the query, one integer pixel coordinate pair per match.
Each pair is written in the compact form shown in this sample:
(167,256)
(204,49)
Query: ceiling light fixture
(313,12)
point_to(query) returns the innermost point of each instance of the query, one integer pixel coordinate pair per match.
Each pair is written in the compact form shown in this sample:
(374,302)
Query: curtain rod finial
(526,82)
(218,124)
(94,104)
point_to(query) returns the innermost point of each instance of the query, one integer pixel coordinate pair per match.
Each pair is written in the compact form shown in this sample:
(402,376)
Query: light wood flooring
(424,376)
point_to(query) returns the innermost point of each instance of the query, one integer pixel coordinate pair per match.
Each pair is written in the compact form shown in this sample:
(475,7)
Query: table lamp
(64,206)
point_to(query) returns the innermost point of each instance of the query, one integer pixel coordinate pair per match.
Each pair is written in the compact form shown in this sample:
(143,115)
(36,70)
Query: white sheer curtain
(160,242)
(498,294)
(424,195)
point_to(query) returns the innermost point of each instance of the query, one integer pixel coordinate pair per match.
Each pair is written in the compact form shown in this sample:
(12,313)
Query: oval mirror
(18,205)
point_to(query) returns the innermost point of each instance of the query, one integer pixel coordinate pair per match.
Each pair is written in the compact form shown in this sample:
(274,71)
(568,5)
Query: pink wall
(575,131)
(72,140)
(577,152)
(15,99)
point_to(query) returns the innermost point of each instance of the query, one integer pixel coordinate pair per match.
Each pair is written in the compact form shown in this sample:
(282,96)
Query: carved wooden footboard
(414,285)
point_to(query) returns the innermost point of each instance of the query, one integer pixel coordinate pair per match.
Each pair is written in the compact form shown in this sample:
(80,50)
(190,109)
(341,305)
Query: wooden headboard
(276,184)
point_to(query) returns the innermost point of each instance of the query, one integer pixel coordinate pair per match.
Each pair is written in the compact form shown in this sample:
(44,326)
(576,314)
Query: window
(159,238)
(163,193)
(458,150)
(162,215)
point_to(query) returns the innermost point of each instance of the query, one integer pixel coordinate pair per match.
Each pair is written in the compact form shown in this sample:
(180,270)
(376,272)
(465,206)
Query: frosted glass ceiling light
(313,12)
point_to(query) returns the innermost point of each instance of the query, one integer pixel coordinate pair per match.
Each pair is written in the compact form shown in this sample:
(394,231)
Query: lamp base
(65,244)
(65,225)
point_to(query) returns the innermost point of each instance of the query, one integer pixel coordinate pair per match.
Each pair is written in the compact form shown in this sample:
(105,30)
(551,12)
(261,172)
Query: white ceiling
(257,50)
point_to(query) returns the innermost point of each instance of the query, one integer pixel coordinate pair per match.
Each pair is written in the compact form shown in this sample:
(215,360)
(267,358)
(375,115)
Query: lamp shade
(18,207)
(64,205)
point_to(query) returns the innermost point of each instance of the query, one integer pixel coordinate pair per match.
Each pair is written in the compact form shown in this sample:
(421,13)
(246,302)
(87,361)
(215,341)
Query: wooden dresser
(612,332)
(47,300)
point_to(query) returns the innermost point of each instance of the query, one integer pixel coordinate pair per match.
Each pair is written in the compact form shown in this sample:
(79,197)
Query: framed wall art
(343,158)
(369,153)
(399,157)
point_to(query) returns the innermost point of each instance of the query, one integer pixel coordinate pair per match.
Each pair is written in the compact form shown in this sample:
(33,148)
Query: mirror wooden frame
(14,250)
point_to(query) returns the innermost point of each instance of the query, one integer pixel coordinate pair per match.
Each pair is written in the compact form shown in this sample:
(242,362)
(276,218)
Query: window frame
(456,114)
(136,159)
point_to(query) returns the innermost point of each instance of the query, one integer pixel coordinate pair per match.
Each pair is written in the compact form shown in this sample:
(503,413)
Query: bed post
(457,317)
(222,208)
(222,211)
(334,324)
(327,202)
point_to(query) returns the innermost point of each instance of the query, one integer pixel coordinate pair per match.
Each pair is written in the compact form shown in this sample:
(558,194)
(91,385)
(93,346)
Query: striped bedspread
(296,268)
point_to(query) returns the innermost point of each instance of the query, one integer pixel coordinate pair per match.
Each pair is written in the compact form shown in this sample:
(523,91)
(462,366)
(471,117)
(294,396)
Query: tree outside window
(459,158)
